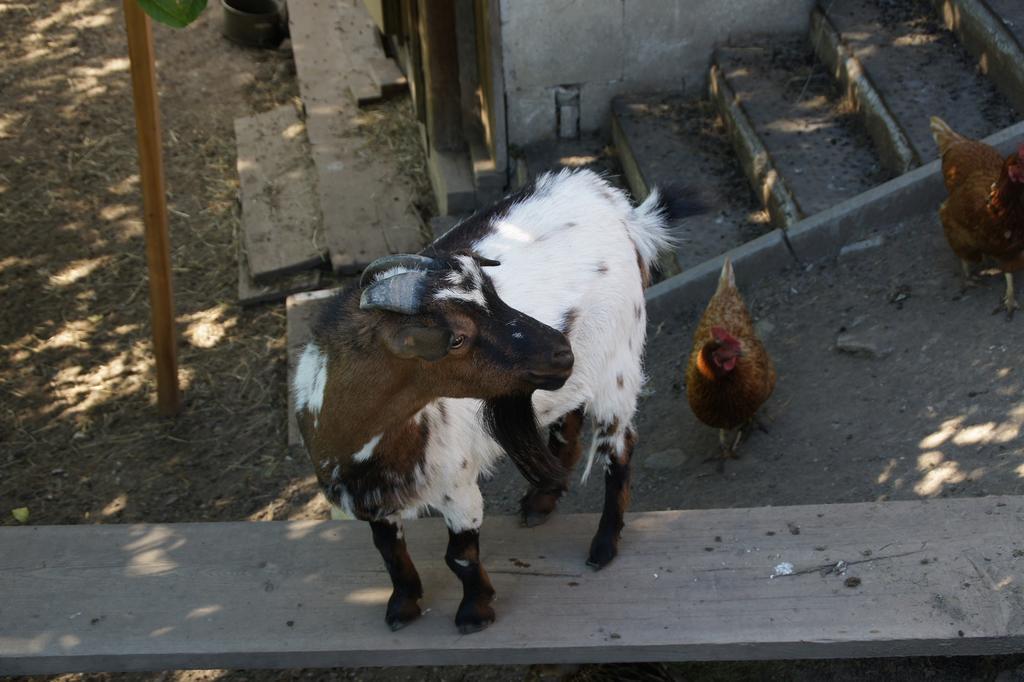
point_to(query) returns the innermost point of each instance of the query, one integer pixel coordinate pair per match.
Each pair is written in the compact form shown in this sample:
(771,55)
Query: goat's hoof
(602,551)
(532,519)
(536,507)
(402,610)
(473,616)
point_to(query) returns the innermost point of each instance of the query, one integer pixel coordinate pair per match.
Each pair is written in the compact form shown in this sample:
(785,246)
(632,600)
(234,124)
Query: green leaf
(176,13)
(20,514)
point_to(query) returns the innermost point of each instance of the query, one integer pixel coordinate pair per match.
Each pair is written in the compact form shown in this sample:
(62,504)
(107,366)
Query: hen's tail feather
(943,135)
(727,278)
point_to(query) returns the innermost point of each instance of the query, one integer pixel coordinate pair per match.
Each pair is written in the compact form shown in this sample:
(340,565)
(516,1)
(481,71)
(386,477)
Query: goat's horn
(401,293)
(412,261)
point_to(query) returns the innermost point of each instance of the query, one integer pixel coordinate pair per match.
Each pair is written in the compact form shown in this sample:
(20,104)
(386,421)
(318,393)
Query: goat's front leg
(616,448)
(463,513)
(564,442)
(405,581)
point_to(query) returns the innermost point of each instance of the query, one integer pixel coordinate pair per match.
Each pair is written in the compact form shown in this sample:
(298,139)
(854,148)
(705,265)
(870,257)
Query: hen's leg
(564,442)
(406,587)
(736,442)
(463,513)
(615,446)
(1009,300)
(968,280)
(727,449)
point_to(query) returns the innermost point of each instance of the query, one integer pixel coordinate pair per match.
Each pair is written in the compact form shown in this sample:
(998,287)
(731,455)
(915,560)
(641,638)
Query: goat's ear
(425,343)
(480,260)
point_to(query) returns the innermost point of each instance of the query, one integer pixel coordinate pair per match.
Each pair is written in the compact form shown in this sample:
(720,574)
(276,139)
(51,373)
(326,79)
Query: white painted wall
(608,47)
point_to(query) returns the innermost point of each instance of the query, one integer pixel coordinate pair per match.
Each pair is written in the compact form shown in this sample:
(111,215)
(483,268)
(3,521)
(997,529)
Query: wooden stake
(151,166)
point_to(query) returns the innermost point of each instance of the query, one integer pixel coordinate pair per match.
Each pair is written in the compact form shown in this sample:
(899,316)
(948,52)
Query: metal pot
(254,23)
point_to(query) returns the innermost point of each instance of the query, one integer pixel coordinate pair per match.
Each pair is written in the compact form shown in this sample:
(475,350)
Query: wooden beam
(924,577)
(413,58)
(151,173)
(440,74)
(386,15)
(487,14)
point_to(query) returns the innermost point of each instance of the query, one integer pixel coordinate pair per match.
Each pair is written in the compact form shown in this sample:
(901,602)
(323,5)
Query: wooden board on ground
(277,289)
(929,577)
(329,41)
(366,206)
(280,222)
(302,311)
(388,76)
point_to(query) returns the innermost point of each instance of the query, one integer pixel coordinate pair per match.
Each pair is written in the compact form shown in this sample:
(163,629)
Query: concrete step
(919,69)
(667,139)
(1011,13)
(589,151)
(814,141)
(993,32)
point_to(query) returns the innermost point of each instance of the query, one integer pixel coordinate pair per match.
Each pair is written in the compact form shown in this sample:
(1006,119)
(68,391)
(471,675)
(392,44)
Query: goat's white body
(571,249)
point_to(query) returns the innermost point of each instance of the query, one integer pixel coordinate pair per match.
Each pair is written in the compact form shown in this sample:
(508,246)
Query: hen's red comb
(723,336)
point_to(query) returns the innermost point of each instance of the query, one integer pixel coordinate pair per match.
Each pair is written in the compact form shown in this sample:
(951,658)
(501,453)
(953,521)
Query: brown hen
(730,374)
(984,214)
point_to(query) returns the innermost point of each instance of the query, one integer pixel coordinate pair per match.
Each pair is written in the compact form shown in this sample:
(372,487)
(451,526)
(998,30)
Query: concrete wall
(607,47)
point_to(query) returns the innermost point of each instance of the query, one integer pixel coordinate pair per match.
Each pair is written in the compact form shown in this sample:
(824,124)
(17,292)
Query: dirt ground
(80,441)
(935,409)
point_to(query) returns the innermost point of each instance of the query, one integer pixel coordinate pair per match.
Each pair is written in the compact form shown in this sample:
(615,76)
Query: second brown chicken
(730,374)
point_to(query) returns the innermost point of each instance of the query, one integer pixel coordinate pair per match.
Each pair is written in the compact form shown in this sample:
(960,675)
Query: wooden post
(151,167)
(441,74)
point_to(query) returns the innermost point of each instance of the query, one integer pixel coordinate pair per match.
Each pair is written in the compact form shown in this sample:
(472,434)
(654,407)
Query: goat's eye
(457,341)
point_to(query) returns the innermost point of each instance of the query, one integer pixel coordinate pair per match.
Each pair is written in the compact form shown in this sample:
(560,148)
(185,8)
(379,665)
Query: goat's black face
(470,343)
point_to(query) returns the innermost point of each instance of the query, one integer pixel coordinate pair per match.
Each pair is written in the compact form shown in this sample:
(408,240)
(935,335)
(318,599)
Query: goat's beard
(513,423)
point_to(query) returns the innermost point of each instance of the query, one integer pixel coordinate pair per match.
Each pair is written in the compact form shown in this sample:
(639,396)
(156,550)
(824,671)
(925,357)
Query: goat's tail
(650,227)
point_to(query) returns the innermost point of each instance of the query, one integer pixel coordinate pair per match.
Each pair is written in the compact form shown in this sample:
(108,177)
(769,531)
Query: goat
(522,318)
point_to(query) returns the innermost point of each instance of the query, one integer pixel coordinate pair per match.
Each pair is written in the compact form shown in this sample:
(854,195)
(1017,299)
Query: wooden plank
(327,66)
(936,577)
(388,82)
(366,206)
(389,77)
(303,309)
(253,293)
(354,20)
(281,231)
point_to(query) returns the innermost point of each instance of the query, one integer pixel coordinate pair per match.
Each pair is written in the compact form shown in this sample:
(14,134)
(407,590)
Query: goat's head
(444,316)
